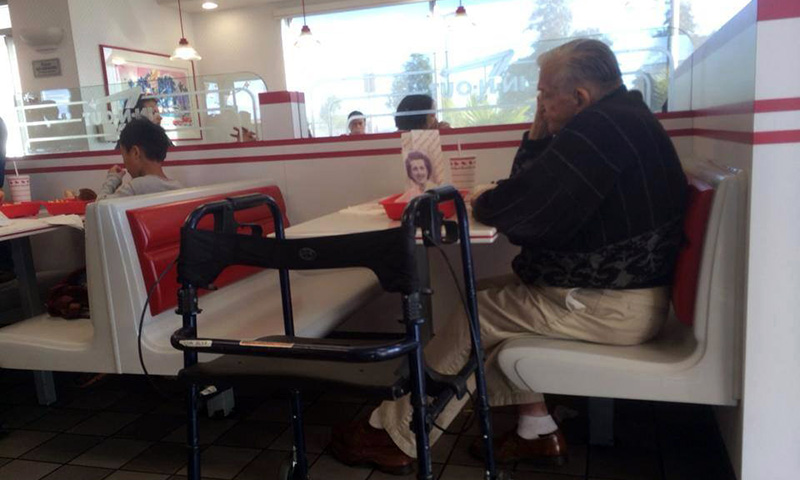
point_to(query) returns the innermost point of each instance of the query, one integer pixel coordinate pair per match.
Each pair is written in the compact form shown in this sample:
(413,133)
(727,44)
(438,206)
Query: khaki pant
(509,309)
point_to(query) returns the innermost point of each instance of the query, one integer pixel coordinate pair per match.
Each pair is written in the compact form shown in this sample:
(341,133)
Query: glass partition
(481,70)
(202,109)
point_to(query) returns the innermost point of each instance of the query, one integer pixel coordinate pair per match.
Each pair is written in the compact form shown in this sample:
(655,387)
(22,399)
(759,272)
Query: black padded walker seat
(384,368)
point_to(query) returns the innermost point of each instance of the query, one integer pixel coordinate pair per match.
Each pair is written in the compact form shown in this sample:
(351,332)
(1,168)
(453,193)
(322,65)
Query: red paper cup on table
(20,187)
(462,170)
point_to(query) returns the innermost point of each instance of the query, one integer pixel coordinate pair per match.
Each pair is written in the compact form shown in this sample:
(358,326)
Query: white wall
(27,14)
(140,24)
(241,40)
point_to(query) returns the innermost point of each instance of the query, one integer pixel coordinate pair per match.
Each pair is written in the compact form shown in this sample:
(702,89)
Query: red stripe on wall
(782,136)
(777,105)
(726,135)
(778,9)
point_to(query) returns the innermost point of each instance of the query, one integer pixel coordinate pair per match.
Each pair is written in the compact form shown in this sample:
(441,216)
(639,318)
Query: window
(484,73)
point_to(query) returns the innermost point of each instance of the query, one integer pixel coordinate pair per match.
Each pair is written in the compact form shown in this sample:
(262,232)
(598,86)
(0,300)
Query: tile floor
(122,429)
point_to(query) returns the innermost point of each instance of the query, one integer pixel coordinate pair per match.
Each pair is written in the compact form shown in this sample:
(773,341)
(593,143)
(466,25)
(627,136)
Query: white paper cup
(20,187)
(462,171)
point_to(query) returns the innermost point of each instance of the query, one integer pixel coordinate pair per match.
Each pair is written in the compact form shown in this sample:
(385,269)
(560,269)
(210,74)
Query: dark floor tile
(317,439)
(104,423)
(501,423)
(376,475)
(26,470)
(20,394)
(137,402)
(576,464)
(97,400)
(460,455)
(160,458)
(62,448)
(210,429)
(151,427)
(3,461)
(329,468)
(59,420)
(543,476)
(18,442)
(251,434)
(267,465)
(273,410)
(22,415)
(330,413)
(461,472)
(75,472)
(126,475)
(224,462)
(624,463)
(112,453)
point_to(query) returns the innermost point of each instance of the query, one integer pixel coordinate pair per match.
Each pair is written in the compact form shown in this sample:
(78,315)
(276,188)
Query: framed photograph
(423,162)
(171,81)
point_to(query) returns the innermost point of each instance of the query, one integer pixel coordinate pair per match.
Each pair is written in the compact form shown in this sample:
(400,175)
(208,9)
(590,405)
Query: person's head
(425,120)
(356,123)
(148,107)
(418,167)
(573,77)
(142,144)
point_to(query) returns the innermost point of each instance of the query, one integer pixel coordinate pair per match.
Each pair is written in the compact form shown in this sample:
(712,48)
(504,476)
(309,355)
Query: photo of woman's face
(419,172)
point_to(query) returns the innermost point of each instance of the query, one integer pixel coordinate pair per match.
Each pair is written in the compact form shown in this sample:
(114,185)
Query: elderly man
(595,199)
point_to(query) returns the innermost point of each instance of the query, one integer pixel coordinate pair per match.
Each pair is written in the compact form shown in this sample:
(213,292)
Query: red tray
(21,209)
(66,207)
(394,210)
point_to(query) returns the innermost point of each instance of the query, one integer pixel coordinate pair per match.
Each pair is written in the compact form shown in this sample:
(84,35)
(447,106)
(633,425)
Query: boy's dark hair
(148,136)
(413,103)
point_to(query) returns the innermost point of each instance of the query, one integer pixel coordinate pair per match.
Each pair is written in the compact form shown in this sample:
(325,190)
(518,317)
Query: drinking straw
(15,169)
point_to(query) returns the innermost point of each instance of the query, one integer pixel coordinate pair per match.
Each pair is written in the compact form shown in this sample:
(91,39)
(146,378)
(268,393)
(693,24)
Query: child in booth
(144,146)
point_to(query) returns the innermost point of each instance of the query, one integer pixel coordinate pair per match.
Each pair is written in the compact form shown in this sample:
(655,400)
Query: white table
(17,233)
(370,217)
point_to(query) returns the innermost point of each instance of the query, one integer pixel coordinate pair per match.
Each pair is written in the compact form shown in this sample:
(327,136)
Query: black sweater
(599,205)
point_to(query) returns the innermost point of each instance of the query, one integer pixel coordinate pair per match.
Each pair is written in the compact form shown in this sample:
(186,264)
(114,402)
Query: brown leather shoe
(510,448)
(357,443)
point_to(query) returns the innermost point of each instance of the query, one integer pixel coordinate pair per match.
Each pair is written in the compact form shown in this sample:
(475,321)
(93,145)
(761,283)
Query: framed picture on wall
(171,81)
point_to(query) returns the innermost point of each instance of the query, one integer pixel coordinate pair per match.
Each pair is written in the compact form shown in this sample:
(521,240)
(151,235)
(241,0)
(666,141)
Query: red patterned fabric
(156,233)
(687,269)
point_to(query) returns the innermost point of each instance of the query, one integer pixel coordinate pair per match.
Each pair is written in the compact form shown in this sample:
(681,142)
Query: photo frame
(423,162)
(171,81)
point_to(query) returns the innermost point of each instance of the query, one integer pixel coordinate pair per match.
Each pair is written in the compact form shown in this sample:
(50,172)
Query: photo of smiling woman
(418,170)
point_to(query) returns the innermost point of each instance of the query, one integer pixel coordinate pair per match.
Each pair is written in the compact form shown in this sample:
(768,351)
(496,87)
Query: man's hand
(538,129)
(117,171)
(478,191)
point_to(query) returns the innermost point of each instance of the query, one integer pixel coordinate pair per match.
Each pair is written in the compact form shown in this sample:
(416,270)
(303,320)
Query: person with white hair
(595,199)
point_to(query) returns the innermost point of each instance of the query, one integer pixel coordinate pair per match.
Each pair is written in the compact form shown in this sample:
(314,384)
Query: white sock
(529,427)
(375,420)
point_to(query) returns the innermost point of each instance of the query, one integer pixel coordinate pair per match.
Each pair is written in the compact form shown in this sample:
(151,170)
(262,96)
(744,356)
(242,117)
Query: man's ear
(583,97)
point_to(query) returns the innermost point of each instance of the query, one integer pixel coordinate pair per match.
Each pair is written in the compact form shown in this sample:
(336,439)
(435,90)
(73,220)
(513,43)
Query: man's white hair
(584,62)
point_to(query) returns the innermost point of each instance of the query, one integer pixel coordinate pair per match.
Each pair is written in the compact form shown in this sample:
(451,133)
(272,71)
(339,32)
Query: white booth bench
(127,239)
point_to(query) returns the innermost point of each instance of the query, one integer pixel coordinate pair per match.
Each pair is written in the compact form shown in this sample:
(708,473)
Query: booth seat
(129,242)
(696,356)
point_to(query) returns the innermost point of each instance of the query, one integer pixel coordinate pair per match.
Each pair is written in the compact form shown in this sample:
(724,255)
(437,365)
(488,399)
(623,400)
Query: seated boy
(144,147)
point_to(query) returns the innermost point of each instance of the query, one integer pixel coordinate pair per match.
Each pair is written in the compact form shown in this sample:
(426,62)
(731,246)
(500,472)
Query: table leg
(26,276)
(45,387)
(32,306)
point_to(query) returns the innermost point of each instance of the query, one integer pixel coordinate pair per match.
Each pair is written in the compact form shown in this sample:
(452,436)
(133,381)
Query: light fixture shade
(184,51)
(460,19)
(210,5)
(306,39)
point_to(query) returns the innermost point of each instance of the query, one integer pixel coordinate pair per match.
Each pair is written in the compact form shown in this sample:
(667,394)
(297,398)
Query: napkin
(74,221)
(365,209)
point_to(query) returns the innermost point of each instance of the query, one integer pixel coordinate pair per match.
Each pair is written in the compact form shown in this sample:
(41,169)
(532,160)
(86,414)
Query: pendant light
(460,18)
(184,51)
(305,40)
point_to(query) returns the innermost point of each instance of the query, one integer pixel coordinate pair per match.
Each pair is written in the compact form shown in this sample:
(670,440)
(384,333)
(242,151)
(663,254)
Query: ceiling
(195,5)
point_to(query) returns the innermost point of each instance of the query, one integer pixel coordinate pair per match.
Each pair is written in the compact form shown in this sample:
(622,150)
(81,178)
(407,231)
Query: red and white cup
(462,171)
(20,187)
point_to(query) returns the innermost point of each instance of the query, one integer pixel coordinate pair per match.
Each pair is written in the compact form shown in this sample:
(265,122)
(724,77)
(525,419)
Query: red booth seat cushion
(687,268)
(156,233)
